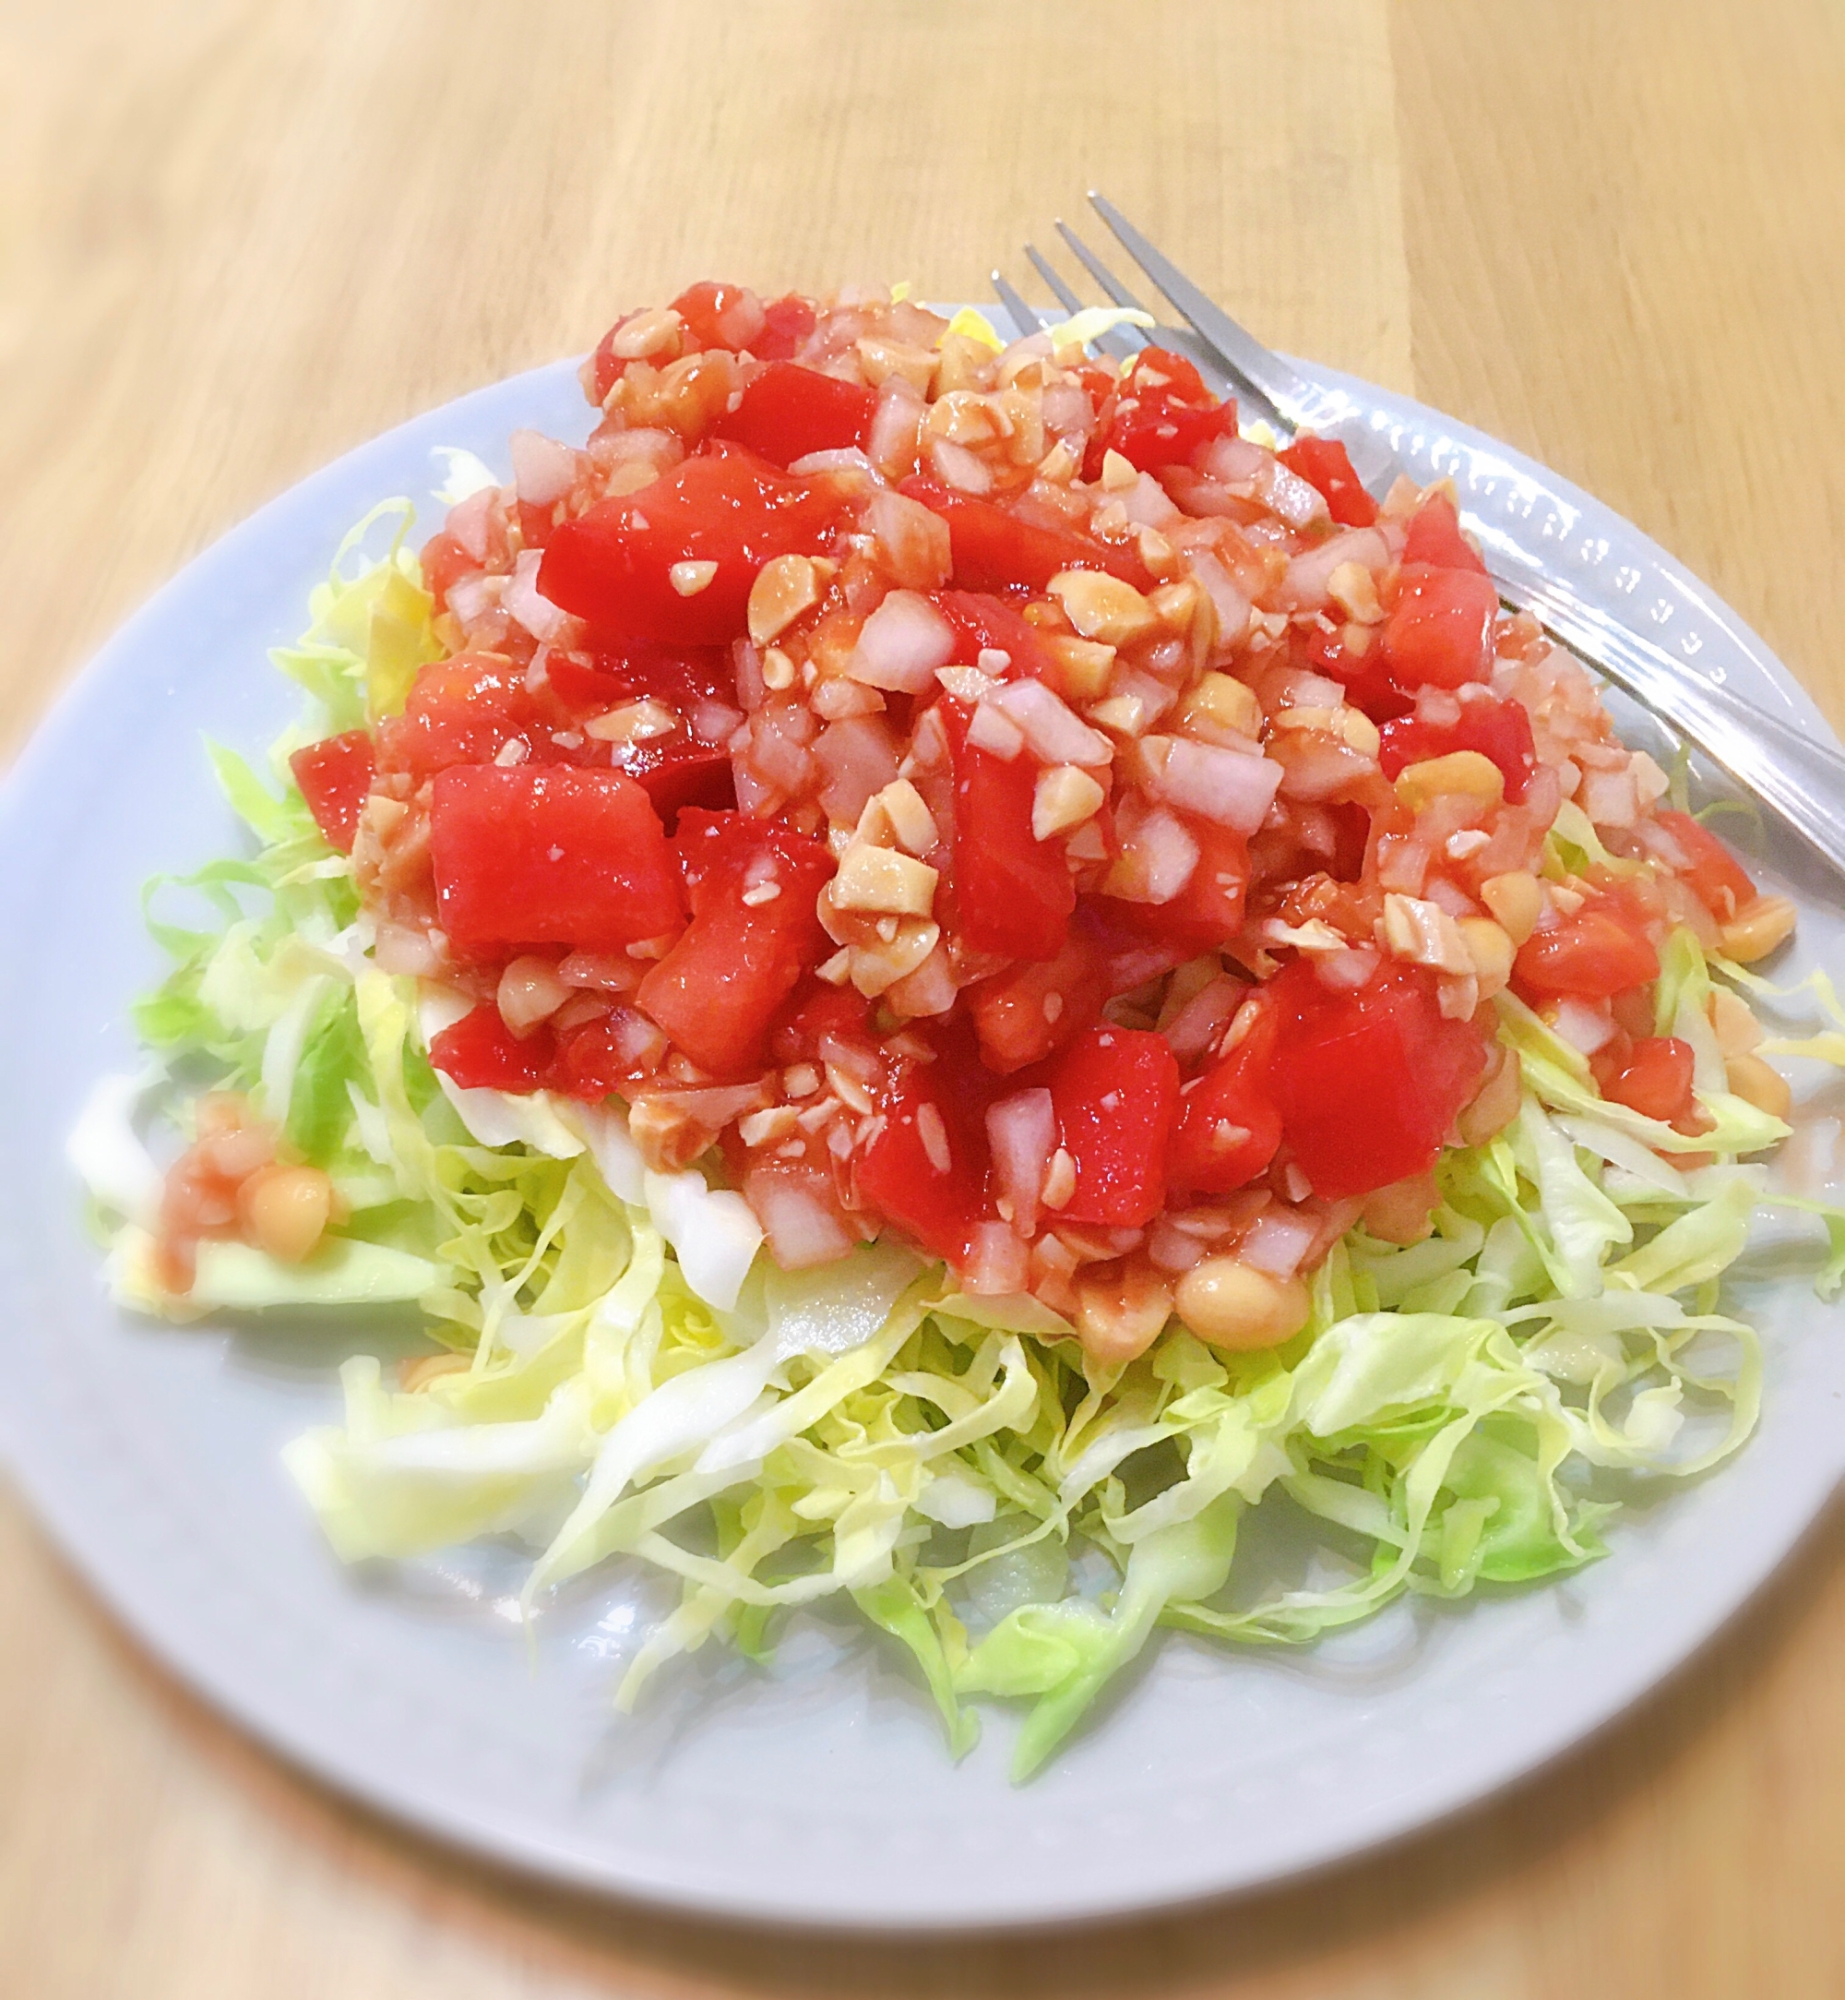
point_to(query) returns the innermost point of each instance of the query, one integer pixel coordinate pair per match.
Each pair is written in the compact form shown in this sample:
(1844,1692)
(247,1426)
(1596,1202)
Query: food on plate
(943,973)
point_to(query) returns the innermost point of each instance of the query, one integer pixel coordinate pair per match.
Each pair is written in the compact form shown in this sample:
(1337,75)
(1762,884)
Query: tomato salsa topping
(980,794)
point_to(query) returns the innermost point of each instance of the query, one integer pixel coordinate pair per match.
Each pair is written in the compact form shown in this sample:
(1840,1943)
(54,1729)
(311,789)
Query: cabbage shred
(866,1431)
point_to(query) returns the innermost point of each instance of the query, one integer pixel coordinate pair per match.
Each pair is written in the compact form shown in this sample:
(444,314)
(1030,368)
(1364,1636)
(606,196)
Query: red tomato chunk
(1369,1083)
(1116,1093)
(1325,465)
(752,887)
(546,856)
(614,565)
(335,777)
(788,411)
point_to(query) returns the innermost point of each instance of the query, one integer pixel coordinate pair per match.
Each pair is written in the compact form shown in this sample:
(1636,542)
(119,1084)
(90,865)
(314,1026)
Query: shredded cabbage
(621,1374)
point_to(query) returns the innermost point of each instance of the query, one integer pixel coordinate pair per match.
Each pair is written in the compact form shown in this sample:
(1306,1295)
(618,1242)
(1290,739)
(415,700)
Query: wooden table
(238,238)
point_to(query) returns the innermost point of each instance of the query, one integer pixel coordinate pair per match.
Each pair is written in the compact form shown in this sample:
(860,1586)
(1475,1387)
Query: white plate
(821,1792)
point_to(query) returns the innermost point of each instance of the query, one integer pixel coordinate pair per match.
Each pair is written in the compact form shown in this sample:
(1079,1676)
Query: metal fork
(1799,780)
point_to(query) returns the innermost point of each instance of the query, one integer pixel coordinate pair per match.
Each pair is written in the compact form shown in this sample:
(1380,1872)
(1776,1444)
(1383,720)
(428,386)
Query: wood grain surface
(237,238)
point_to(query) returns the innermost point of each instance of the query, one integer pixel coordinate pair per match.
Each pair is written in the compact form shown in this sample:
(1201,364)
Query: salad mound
(942,974)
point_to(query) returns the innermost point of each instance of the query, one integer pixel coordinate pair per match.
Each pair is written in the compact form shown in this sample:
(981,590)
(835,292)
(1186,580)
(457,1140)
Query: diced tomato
(786,324)
(1652,1076)
(1499,730)
(444,562)
(1025,1013)
(712,312)
(1368,1083)
(1435,538)
(1366,675)
(788,411)
(1440,631)
(993,548)
(1012,893)
(606,367)
(678,769)
(1715,877)
(613,565)
(480,1052)
(927,1168)
(335,777)
(717,992)
(1158,413)
(545,855)
(462,710)
(1116,1094)
(591,1061)
(817,1013)
(989,624)
(1601,950)
(1326,466)
(1228,1128)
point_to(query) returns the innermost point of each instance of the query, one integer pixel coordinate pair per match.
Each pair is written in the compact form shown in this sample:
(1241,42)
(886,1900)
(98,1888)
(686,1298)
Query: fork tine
(1290,394)
(1118,341)
(1021,314)
(1099,271)
(1045,269)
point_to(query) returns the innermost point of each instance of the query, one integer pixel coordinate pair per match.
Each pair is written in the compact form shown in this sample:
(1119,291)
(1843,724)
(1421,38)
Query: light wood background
(237,237)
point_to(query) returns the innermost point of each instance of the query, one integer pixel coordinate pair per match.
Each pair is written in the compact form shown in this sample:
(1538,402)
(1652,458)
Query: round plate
(819,1791)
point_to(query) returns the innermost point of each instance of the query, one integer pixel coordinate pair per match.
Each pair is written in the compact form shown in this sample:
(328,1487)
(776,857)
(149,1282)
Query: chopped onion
(857,758)
(801,1224)
(998,1262)
(468,521)
(523,600)
(1147,503)
(1234,460)
(474,596)
(901,644)
(1231,601)
(958,467)
(1304,587)
(846,459)
(914,540)
(891,441)
(1022,1134)
(1198,1023)
(1277,1242)
(1232,788)
(995,733)
(1585,1025)
(1158,856)
(778,747)
(1610,798)
(1055,734)
(544,471)
(1285,493)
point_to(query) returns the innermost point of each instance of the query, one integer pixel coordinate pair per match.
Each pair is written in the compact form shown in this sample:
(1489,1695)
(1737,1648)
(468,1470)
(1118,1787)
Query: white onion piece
(1232,788)
(1055,734)
(468,521)
(778,747)
(891,441)
(1277,1242)
(1610,798)
(399,948)
(1233,459)
(995,733)
(1303,588)
(960,468)
(474,596)
(802,1227)
(998,1262)
(857,757)
(901,644)
(1230,599)
(1022,1134)
(846,458)
(524,601)
(1066,411)
(1585,1025)
(1163,855)
(1285,493)
(914,540)
(1147,503)
(543,470)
